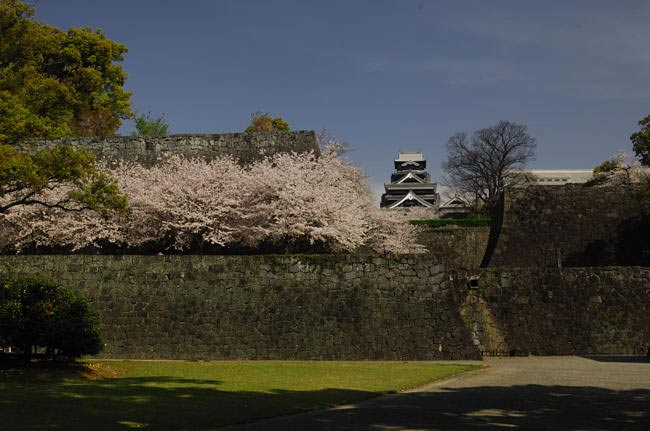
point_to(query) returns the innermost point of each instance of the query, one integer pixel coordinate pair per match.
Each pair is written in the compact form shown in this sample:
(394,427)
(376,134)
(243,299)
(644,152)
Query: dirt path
(534,393)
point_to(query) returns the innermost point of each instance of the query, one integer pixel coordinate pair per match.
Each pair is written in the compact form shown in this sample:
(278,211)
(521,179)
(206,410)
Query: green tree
(641,141)
(147,126)
(55,83)
(607,166)
(26,178)
(264,123)
(603,172)
(35,312)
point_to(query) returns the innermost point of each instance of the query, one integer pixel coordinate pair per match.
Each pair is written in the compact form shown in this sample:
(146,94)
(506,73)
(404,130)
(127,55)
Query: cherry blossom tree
(621,170)
(288,201)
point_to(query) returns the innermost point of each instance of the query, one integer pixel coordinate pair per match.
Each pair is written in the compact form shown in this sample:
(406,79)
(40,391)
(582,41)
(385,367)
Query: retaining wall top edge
(171,136)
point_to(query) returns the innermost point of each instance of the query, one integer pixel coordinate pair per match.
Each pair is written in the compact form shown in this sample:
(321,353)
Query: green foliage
(320,260)
(280,125)
(602,171)
(55,83)
(261,122)
(467,222)
(147,126)
(641,141)
(24,177)
(606,167)
(467,321)
(35,313)
(644,189)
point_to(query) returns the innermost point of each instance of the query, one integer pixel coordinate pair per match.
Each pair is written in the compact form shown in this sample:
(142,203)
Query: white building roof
(406,156)
(561,176)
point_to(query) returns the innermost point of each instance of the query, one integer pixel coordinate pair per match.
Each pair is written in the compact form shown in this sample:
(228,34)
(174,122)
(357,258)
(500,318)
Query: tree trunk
(27,353)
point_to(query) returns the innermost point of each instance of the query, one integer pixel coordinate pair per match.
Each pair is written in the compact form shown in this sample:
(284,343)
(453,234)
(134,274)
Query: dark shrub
(37,313)
(467,222)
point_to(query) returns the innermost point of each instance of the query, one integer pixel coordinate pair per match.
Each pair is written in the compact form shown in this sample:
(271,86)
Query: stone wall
(559,311)
(348,307)
(246,147)
(457,247)
(264,307)
(545,226)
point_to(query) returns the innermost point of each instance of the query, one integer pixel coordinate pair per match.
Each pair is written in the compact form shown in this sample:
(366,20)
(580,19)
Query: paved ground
(534,393)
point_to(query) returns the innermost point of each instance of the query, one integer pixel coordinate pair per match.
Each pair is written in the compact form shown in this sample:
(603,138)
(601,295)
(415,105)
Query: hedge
(467,222)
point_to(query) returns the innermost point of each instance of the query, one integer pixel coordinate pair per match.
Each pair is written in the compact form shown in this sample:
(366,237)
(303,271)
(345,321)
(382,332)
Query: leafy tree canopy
(36,312)
(58,177)
(55,83)
(641,141)
(147,126)
(607,166)
(264,123)
(603,172)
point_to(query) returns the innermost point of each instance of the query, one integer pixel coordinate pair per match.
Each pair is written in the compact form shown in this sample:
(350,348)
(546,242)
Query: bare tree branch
(483,165)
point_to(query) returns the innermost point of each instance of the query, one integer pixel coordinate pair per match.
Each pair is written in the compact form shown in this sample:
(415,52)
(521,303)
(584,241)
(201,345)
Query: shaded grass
(170,395)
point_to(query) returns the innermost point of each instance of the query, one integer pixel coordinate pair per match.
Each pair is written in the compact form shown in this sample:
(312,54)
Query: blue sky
(388,75)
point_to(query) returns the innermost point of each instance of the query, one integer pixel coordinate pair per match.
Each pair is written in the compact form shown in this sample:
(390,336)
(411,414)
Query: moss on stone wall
(547,226)
(264,307)
(569,311)
(348,306)
(458,247)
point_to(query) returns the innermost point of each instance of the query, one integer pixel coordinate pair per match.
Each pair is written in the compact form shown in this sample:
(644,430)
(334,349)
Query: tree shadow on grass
(65,402)
(151,403)
(525,407)
(42,371)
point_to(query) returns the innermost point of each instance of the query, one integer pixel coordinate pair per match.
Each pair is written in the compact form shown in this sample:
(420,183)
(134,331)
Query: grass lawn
(172,395)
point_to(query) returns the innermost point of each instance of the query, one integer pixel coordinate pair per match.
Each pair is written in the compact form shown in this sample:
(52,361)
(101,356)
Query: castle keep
(410,184)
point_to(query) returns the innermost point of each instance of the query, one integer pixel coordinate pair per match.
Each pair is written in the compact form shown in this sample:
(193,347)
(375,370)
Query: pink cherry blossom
(283,200)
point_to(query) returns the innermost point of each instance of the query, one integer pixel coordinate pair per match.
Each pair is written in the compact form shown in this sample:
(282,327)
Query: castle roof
(411,196)
(410,175)
(409,156)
